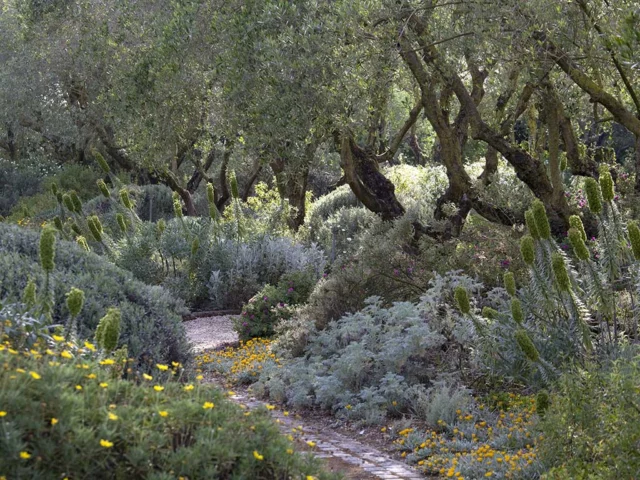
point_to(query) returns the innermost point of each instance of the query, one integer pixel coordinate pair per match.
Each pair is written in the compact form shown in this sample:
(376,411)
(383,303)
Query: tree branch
(399,136)
(625,79)
(589,86)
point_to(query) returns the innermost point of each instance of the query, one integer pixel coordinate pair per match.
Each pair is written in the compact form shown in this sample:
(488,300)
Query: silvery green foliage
(439,297)
(440,402)
(148,200)
(335,219)
(380,360)
(154,202)
(239,267)
(175,241)
(137,252)
(20,327)
(337,234)
(152,327)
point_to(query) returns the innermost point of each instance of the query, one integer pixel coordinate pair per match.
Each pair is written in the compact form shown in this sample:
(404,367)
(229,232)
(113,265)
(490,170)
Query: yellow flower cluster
(60,352)
(247,359)
(468,447)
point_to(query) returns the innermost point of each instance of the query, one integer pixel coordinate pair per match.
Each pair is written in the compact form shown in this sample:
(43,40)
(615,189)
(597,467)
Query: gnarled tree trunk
(369,185)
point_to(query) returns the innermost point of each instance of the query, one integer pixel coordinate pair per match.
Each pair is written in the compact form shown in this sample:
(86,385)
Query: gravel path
(208,333)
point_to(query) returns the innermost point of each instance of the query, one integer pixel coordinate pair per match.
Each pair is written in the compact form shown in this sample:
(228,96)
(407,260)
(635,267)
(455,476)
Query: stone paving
(333,444)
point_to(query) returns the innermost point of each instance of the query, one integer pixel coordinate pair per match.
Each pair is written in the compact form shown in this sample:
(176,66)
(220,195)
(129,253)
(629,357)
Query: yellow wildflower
(66,354)
(147,377)
(113,416)
(208,405)
(163,413)
(54,421)
(35,376)
(188,387)
(257,456)
(106,443)
(158,388)
(25,455)
(162,368)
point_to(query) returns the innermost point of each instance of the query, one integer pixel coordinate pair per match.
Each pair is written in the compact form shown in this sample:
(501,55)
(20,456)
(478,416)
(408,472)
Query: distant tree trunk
(291,181)
(10,144)
(257,168)
(200,172)
(490,165)
(553,129)
(172,182)
(369,185)
(637,185)
(223,195)
(414,145)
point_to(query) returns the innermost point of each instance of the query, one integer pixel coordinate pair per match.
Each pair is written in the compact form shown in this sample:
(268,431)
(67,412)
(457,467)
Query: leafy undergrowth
(497,442)
(65,412)
(493,440)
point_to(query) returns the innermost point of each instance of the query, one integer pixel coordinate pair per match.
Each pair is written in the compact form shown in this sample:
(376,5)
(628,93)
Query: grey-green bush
(381,362)
(151,326)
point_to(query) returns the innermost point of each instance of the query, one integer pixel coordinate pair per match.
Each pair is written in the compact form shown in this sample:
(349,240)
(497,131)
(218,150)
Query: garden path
(356,460)
(208,333)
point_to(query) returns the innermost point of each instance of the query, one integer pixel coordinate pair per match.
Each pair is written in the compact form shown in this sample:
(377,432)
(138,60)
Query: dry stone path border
(211,332)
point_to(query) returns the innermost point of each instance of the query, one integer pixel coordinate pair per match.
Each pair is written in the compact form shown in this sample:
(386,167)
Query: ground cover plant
(65,410)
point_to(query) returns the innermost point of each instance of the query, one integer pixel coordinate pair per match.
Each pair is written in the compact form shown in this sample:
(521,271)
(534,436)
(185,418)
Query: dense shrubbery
(17,181)
(63,413)
(379,361)
(217,262)
(35,201)
(151,323)
(274,304)
(386,266)
(238,270)
(572,307)
(592,428)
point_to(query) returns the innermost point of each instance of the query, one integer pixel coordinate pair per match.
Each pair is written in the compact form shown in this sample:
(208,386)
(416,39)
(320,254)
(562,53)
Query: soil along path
(356,460)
